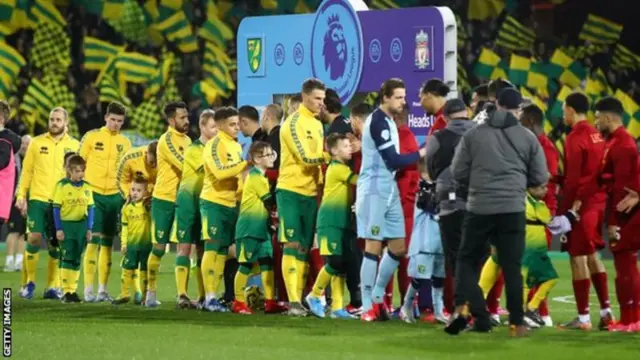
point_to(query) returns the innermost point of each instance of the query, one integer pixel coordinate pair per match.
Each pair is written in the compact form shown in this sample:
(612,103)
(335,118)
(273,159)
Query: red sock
(635,272)
(625,262)
(544,308)
(448,292)
(403,278)
(277,270)
(581,292)
(493,298)
(599,281)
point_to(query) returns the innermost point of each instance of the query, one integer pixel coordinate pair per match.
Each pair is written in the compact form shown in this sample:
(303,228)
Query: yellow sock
(65,274)
(303,270)
(89,265)
(239,284)
(541,294)
(53,273)
(218,269)
(144,283)
(322,281)
(136,282)
(201,293)
(182,274)
(23,275)
(126,282)
(153,266)
(31,257)
(75,276)
(337,292)
(104,266)
(268,283)
(290,276)
(208,272)
(488,276)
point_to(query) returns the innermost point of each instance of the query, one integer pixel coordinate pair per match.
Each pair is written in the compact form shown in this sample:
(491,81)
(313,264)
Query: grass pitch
(50,329)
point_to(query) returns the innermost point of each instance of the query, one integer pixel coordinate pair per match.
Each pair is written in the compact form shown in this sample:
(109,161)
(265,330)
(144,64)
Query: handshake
(561,224)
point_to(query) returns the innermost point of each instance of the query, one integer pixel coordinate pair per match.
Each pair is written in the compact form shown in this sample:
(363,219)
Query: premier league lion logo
(335,48)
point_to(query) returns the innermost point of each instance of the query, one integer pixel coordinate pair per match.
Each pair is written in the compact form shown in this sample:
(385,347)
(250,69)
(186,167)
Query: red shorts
(629,235)
(586,236)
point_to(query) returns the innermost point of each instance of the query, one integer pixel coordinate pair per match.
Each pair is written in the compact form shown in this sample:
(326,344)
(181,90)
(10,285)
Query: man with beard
(378,206)
(102,150)
(41,171)
(171,147)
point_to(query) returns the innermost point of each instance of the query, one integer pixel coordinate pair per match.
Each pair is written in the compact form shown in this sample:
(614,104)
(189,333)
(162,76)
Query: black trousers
(353,261)
(507,233)
(451,236)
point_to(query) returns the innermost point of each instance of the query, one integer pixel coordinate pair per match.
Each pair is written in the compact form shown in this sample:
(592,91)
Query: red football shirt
(439,122)
(551,155)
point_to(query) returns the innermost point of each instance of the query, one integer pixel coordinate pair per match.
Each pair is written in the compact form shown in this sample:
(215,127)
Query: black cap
(509,99)
(454,106)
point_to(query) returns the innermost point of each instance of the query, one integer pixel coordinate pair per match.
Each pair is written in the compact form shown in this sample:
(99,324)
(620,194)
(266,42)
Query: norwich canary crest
(254,49)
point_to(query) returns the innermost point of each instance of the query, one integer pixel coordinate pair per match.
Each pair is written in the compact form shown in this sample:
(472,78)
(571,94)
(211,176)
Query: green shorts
(71,248)
(136,257)
(335,241)
(188,224)
(250,249)
(38,217)
(218,224)
(107,216)
(537,268)
(162,219)
(297,214)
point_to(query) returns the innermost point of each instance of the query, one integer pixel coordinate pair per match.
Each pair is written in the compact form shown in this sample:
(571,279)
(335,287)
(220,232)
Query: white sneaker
(88,296)
(406,315)
(17,266)
(531,324)
(151,300)
(103,296)
(547,321)
(442,318)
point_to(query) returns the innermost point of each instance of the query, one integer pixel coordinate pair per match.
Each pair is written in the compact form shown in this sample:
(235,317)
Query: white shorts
(379,217)
(426,266)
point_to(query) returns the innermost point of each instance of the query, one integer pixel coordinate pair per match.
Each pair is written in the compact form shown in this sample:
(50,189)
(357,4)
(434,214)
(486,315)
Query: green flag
(51,50)
(106,9)
(10,66)
(600,30)
(515,36)
(524,71)
(214,29)
(97,52)
(489,65)
(135,67)
(623,58)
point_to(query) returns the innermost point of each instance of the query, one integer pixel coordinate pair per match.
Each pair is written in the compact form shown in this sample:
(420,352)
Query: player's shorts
(136,257)
(250,249)
(38,217)
(162,220)
(75,235)
(17,223)
(379,217)
(188,223)
(629,235)
(426,266)
(218,223)
(537,268)
(585,237)
(335,241)
(107,216)
(297,214)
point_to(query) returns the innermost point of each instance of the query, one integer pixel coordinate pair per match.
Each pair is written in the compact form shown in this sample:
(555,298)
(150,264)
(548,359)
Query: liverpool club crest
(423,57)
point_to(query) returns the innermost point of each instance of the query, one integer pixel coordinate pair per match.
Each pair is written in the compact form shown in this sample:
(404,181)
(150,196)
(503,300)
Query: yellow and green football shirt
(335,208)
(192,176)
(538,216)
(73,200)
(253,220)
(223,167)
(170,156)
(136,225)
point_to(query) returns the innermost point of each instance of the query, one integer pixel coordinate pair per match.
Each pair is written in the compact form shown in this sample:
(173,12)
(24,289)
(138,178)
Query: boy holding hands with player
(73,212)
(334,228)
(135,237)
(253,237)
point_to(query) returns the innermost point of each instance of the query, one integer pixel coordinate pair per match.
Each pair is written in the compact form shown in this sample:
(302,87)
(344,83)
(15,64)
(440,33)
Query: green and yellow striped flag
(106,9)
(37,101)
(484,9)
(162,75)
(97,53)
(600,30)
(10,66)
(214,29)
(216,67)
(206,92)
(515,36)
(44,11)
(490,66)
(523,71)
(110,92)
(177,29)
(623,58)
(135,67)
(462,33)
(559,143)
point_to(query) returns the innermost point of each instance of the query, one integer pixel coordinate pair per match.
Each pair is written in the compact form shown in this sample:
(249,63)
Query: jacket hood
(459,127)
(502,119)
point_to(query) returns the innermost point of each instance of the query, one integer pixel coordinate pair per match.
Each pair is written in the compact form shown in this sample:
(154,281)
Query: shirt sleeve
(574,155)
(170,152)
(218,165)
(625,175)
(26,174)
(86,145)
(123,177)
(538,173)
(381,134)
(461,163)
(306,147)
(433,144)
(542,212)
(58,199)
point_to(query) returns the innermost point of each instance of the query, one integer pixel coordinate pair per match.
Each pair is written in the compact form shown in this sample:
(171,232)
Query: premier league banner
(352,52)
